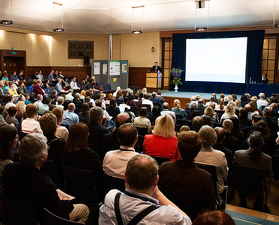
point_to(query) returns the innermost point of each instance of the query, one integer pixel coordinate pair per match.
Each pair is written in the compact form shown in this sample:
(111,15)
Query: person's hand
(157,193)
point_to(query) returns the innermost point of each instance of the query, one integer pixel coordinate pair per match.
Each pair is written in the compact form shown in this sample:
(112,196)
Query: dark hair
(215,217)
(236,128)
(143,111)
(78,137)
(156,111)
(66,103)
(12,110)
(142,171)
(98,103)
(47,100)
(197,122)
(255,142)
(206,120)
(244,98)
(189,145)
(126,100)
(9,98)
(7,136)
(196,113)
(220,134)
(243,113)
(31,110)
(234,96)
(85,108)
(256,118)
(127,134)
(267,112)
(112,102)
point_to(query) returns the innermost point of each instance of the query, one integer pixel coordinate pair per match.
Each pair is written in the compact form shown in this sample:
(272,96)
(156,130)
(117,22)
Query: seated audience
(119,95)
(12,90)
(61,131)
(201,106)
(254,158)
(272,124)
(156,112)
(70,96)
(155,100)
(230,142)
(96,131)
(163,141)
(244,100)
(78,155)
(262,100)
(21,88)
(115,162)
(124,106)
(141,178)
(167,111)
(236,132)
(25,182)
(243,118)
(184,128)
(142,121)
(136,101)
(229,111)
(193,99)
(45,106)
(210,156)
(69,117)
(210,112)
(238,105)
(37,89)
(30,124)
(74,85)
(198,183)
(84,114)
(197,123)
(10,103)
(147,101)
(20,106)
(60,102)
(161,98)
(177,109)
(39,101)
(10,119)
(220,106)
(113,110)
(211,100)
(8,141)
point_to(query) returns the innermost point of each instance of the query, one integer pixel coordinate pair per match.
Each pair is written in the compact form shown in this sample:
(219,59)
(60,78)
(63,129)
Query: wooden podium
(153,80)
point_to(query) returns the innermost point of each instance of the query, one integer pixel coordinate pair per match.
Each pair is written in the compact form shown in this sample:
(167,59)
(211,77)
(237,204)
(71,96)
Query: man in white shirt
(10,103)
(70,96)
(73,84)
(147,101)
(39,102)
(167,111)
(115,162)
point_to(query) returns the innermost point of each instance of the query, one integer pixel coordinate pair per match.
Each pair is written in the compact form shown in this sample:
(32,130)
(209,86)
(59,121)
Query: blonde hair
(184,128)
(209,111)
(254,98)
(230,97)
(230,110)
(177,104)
(238,103)
(207,135)
(144,91)
(197,97)
(164,126)
(221,103)
(212,105)
(20,108)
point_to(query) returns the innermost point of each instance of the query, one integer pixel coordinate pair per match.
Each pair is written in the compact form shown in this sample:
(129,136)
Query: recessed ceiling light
(201,29)
(6,22)
(136,31)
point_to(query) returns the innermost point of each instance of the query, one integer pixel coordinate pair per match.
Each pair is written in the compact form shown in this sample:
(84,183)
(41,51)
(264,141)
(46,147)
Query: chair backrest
(148,108)
(189,204)
(109,86)
(247,180)
(46,91)
(29,92)
(17,212)
(105,87)
(49,169)
(52,219)
(140,142)
(275,166)
(50,90)
(160,160)
(113,183)
(135,110)
(178,117)
(212,170)
(119,101)
(80,184)
(65,125)
(142,131)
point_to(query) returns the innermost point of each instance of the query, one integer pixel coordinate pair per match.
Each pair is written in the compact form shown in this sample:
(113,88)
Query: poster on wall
(114,69)
(97,67)
(124,67)
(105,68)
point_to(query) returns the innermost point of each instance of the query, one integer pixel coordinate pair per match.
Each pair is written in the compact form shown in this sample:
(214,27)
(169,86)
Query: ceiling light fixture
(200,4)
(58,29)
(8,22)
(136,31)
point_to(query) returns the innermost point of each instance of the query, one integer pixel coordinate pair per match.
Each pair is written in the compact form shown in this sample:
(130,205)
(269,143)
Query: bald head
(71,107)
(165,105)
(122,118)
(248,107)
(220,134)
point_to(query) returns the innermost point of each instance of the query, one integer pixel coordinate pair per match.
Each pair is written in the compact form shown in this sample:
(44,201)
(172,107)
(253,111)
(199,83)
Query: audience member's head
(267,112)
(156,111)
(255,142)
(209,111)
(127,135)
(60,100)
(184,128)
(58,112)
(78,137)
(33,150)
(85,108)
(47,101)
(12,111)
(165,105)
(238,104)
(32,111)
(96,114)
(40,97)
(214,218)
(189,145)
(197,123)
(71,107)
(177,104)
(164,126)
(207,135)
(207,120)
(255,119)
(48,123)
(193,105)
(143,112)
(227,125)
(112,102)
(230,109)
(220,134)
(262,95)
(243,113)
(122,118)
(141,173)
(8,141)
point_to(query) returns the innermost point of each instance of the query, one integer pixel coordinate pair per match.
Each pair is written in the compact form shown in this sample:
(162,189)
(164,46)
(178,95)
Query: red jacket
(161,147)
(37,90)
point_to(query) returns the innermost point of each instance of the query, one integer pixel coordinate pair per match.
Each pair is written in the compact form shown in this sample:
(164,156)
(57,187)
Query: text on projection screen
(216,60)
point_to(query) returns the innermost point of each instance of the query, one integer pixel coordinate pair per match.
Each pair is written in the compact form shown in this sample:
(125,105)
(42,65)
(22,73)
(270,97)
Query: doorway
(14,63)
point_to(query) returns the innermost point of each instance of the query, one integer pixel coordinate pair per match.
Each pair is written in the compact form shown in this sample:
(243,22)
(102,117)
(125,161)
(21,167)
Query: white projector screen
(216,59)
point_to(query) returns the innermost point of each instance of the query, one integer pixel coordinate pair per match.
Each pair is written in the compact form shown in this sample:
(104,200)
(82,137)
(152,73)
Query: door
(13,64)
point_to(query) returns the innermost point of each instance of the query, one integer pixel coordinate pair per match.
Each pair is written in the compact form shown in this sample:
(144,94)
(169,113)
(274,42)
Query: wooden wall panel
(137,76)
(79,72)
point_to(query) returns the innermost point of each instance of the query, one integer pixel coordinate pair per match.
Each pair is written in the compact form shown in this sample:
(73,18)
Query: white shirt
(262,102)
(115,162)
(148,102)
(73,85)
(164,112)
(62,132)
(38,103)
(122,107)
(9,104)
(29,125)
(69,97)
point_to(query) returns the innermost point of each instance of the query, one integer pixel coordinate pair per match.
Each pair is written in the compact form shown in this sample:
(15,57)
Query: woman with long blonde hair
(163,141)
(177,109)
(229,111)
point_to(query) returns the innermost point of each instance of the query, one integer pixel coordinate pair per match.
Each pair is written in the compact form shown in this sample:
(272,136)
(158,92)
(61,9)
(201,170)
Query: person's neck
(149,192)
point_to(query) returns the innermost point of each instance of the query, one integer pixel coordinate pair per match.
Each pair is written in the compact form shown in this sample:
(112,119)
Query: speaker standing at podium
(155,68)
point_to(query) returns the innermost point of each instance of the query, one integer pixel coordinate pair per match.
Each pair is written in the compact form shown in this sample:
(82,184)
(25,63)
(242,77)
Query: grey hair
(95,114)
(32,147)
(207,135)
(262,95)
(193,105)
(60,100)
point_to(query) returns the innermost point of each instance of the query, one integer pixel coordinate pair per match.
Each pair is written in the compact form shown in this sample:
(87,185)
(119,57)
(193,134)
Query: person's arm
(163,200)
(224,168)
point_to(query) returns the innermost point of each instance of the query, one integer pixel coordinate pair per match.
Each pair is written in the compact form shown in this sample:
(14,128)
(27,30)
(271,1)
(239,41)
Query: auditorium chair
(148,108)
(135,110)
(160,160)
(113,183)
(275,167)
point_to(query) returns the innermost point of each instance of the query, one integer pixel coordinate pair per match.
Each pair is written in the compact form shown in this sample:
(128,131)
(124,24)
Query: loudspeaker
(86,60)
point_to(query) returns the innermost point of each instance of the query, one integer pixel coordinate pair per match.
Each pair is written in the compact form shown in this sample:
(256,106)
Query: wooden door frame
(12,53)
